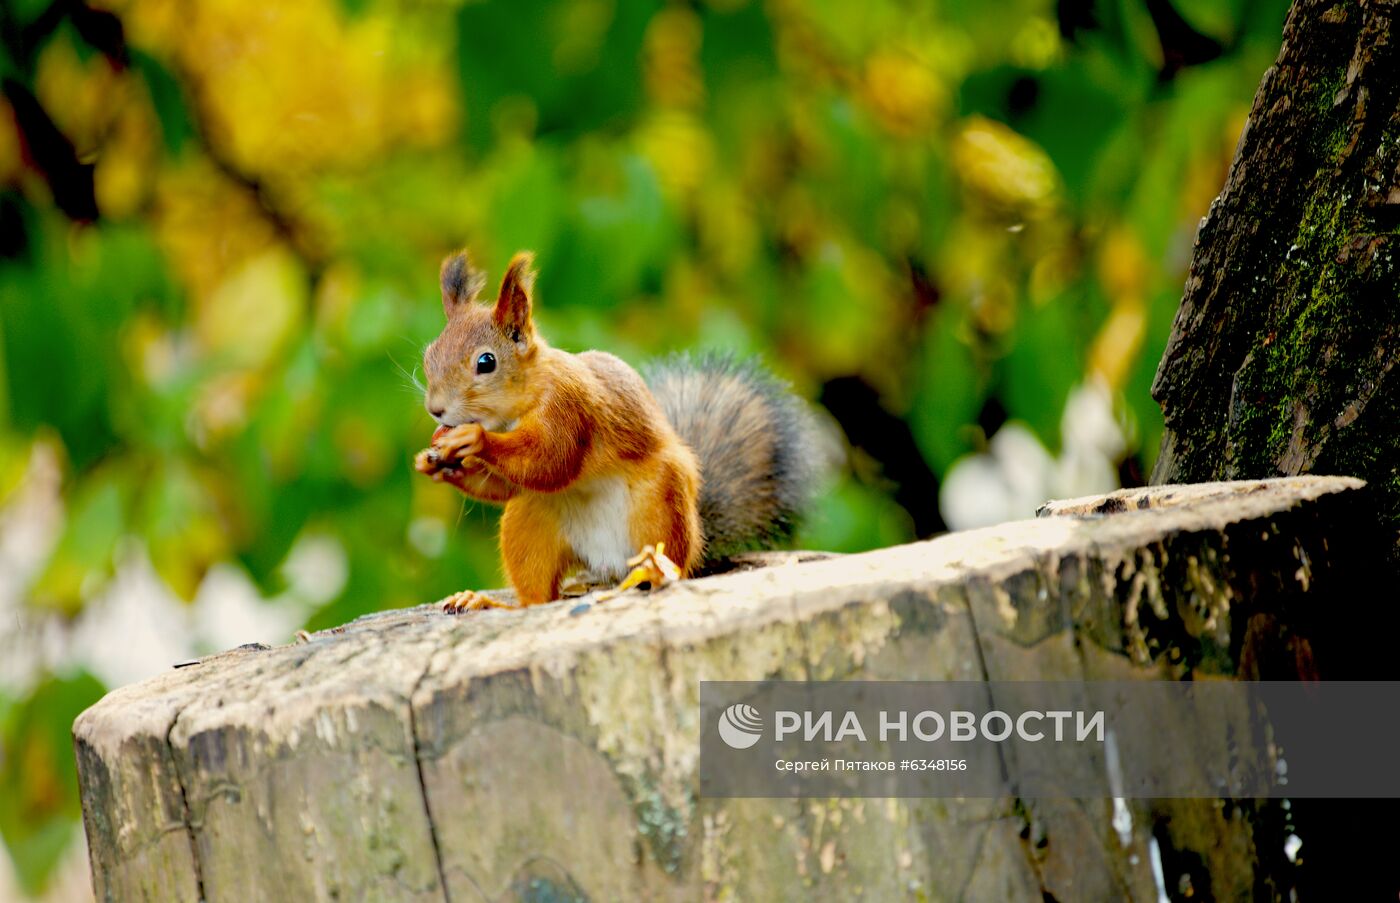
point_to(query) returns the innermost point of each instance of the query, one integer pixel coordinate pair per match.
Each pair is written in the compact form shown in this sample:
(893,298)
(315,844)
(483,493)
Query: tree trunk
(1282,357)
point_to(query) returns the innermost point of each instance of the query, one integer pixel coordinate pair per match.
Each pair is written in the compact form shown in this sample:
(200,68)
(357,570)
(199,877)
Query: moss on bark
(1282,357)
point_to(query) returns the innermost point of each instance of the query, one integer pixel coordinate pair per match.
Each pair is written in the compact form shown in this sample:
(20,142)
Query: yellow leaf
(1004,166)
(10,162)
(903,93)
(206,225)
(669,54)
(1116,347)
(82,96)
(250,316)
(125,163)
(679,148)
(1123,265)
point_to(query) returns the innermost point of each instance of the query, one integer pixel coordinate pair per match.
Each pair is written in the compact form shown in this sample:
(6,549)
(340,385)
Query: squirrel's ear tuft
(461,284)
(513,306)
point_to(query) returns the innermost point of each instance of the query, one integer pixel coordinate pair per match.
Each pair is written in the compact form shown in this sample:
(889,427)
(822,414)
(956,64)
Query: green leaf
(83,558)
(1046,361)
(168,98)
(355,8)
(738,46)
(63,318)
(948,392)
(854,184)
(854,517)
(576,74)
(26,11)
(179,519)
(1066,111)
(528,203)
(1216,18)
(617,240)
(1144,412)
(38,776)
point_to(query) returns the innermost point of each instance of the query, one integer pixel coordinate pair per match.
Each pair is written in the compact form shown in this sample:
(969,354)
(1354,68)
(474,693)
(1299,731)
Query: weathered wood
(1282,358)
(552,753)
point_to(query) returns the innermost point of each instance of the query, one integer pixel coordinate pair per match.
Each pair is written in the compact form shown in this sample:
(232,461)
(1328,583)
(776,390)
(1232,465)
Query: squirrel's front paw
(470,600)
(451,454)
(461,441)
(429,461)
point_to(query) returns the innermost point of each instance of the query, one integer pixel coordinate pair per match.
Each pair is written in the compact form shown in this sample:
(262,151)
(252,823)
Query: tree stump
(551,753)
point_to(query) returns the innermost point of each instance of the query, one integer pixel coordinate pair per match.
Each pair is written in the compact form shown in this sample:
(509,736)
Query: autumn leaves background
(962,228)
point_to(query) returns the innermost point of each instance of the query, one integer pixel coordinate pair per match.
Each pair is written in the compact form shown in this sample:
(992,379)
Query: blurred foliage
(220,225)
(41,795)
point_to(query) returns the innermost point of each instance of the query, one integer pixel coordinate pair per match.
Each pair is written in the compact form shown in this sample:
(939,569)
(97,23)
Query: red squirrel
(707,457)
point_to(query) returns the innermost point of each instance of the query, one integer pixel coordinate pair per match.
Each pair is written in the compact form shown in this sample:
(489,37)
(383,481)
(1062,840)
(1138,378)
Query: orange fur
(534,553)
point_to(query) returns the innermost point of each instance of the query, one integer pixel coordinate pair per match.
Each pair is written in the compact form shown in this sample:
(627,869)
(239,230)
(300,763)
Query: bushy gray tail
(756,442)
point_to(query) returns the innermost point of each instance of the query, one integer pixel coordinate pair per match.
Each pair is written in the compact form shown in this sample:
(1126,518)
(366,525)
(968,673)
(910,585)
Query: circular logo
(740,726)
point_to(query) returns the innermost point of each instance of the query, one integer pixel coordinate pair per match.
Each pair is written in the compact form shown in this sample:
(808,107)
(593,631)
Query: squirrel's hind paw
(470,600)
(649,566)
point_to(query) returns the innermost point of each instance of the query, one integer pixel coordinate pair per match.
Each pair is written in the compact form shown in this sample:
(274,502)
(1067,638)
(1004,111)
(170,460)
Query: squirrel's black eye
(485,362)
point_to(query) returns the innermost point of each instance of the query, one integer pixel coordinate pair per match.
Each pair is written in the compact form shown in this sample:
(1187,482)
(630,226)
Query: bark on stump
(550,754)
(1282,359)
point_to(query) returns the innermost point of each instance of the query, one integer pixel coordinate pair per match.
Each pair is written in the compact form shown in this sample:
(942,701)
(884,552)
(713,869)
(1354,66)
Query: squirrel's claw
(649,566)
(470,600)
(428,461)
(450,452)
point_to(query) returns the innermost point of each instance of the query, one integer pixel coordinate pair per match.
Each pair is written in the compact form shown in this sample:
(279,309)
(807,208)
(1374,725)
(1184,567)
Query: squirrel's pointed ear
(461,284)
(513,306)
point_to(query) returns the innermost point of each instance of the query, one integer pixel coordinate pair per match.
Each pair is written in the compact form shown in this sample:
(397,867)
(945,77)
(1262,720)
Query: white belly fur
(596,519)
